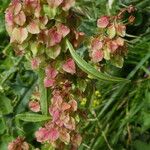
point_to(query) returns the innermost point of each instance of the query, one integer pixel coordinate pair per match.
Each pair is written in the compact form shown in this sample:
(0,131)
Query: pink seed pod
(47,134)
(54,37)
(96,44)
(121,30)
(67,4)
(51,72)
(69,66)
(34,106)
(103,22)
(33,28)
(9,19)
(64,136)
(54,3)
(74,105)
(76,140)
(35,62)
(63,30)
(18,144)
(113,46)
(48,82)
(97,56)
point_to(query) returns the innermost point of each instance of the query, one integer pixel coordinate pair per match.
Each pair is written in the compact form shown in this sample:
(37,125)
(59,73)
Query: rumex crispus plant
(46,33)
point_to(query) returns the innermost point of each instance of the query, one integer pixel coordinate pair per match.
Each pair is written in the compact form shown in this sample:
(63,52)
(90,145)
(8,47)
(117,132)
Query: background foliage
(116,116)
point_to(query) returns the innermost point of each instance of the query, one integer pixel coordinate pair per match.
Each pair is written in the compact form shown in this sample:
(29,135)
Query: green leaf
(89,69)
(5,105)
(43,92)
(145,121)
(32,117)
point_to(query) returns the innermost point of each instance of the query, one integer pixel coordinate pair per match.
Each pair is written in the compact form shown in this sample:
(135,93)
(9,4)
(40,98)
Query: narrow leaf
(32,117)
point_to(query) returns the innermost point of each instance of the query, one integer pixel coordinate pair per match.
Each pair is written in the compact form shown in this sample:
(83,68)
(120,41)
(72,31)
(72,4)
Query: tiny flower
(48,82)
(96,44)
(69,66)
(97,56)
(103,22)
(34,106)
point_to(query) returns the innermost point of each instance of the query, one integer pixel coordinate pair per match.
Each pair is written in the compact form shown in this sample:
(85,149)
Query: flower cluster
(37,30)
(34,103)
(31,25)
(62,109)
(110,44)
(18,144)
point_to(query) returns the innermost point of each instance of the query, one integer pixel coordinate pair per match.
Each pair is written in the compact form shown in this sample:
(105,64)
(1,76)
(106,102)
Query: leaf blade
(32,117)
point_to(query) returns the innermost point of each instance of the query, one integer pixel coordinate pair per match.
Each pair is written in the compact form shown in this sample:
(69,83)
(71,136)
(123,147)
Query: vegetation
(113,97)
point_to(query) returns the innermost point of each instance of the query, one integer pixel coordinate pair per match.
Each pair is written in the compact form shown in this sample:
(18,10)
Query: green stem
(43,92)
